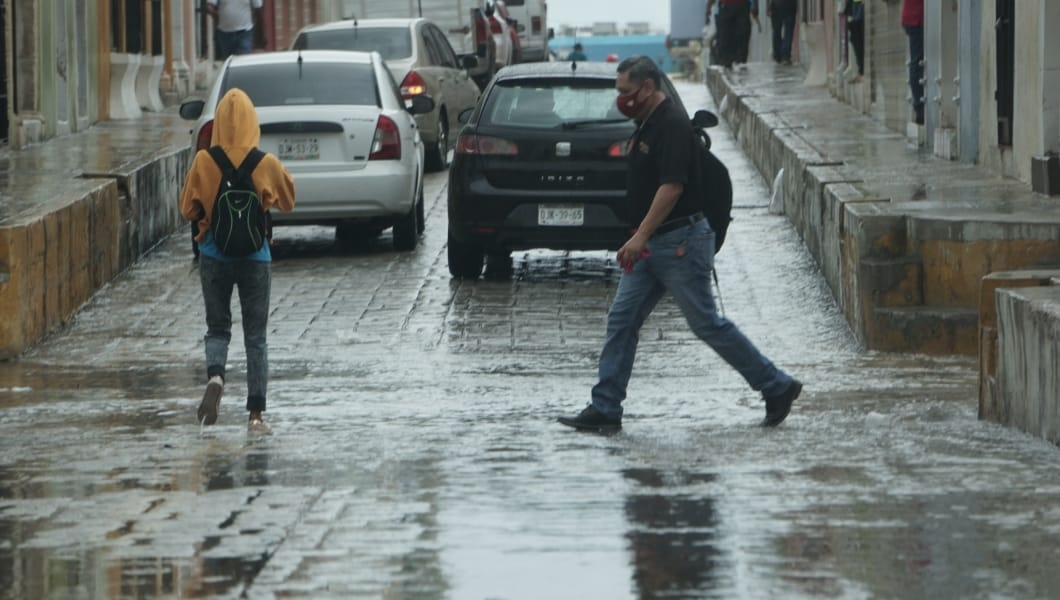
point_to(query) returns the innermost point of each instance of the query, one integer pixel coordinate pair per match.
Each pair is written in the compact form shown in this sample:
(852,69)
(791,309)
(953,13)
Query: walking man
(234,25)
(913,23)
(733,29)
(671,251)
(237,133)
(782,13)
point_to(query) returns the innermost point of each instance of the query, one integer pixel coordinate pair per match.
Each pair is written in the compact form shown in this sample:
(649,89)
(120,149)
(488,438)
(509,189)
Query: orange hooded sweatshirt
(236,131)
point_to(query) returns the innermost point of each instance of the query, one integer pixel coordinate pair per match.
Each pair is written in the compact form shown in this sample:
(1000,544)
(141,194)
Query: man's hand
(632,251)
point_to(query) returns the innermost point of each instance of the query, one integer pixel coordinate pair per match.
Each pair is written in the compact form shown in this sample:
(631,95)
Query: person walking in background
(913,23)
(234,30)
(733,19)
(578,53)
(672,250)
(237,133)
(782,14)
(744,43)
(855,13)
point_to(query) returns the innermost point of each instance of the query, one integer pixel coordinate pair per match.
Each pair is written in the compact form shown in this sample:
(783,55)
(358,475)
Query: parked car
(340,126)
(541,163)
(419,56)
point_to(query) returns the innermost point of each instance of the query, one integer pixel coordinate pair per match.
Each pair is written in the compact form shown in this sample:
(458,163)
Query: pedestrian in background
(578,54)
(672,250)
(855,14)
(782,14)
(236,132)
(234,30)
(733,20)
(913,23)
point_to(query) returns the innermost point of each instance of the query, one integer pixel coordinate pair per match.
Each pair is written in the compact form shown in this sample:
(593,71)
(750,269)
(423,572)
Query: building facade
(67,64)
(991,77)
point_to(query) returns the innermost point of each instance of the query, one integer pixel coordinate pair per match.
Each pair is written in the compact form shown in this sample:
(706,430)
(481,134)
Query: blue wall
(598,47)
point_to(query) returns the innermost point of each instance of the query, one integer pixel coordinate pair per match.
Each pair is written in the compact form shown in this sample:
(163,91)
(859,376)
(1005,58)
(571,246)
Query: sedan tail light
(618,149)
(485,146)
(386,143)
(203,141)
(412,85)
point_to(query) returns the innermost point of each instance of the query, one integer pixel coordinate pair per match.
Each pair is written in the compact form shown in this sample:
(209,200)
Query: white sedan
(337,121)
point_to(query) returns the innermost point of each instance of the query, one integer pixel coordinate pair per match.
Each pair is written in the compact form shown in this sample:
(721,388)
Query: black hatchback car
(541,163)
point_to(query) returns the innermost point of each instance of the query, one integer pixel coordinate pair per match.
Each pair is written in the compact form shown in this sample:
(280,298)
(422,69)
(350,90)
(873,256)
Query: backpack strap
(221,159)
(246,167)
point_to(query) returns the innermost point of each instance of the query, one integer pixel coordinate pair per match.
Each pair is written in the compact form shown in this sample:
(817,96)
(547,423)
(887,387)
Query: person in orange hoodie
(236,132)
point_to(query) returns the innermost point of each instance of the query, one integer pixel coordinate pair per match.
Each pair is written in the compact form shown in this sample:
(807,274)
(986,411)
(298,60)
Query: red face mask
(631,105)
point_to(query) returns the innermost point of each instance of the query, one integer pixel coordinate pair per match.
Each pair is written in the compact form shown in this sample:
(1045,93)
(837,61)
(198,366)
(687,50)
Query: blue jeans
(916,69)
(680,263)
(254,280)
(233,42)
(783,32)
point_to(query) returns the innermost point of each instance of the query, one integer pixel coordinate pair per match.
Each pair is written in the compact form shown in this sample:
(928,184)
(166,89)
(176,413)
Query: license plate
(298,149)
(562,215)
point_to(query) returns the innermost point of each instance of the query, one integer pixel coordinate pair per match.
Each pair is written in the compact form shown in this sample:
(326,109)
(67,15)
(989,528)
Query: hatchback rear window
(389,42)
(291,84)
(542,103)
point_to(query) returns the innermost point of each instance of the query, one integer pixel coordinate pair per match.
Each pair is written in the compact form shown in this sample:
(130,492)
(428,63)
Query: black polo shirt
(660,152)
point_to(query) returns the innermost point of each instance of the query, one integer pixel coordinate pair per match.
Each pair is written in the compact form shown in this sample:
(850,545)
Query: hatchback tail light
(618,149)
(495,25)
(203,141)
(386,143)
(412,85)
(485,146)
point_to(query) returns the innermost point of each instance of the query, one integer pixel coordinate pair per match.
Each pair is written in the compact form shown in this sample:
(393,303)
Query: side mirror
(192,109)
(420,104)
(465,116)
(705,118)
(469,61)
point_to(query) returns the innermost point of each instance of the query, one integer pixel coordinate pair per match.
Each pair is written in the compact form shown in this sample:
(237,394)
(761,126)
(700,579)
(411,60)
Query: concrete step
(926,329)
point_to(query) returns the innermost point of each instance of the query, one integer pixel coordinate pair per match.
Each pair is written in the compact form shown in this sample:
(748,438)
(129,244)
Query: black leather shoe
(591,419)
(778,407)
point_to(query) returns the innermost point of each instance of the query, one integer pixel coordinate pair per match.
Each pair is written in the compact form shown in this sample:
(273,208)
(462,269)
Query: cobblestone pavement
(415,454)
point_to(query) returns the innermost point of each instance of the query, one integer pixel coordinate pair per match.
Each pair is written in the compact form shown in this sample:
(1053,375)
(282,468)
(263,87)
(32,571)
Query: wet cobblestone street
(415,453)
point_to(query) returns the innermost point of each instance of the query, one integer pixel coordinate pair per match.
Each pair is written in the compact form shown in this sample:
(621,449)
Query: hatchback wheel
(465,260)
(406,231)
(438,154)
(421,213)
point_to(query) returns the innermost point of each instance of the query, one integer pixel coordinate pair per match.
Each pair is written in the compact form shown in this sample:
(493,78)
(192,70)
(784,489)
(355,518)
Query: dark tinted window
(514,2)
(544,103)
(290,84)
(389,42)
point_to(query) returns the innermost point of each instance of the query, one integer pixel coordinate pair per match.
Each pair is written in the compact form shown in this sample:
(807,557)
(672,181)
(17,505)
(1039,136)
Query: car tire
(465,260)
(406,231)
(499,264)
(438,153)
(421,213)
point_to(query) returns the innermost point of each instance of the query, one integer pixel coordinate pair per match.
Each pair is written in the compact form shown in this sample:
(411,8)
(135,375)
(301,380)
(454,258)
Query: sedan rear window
(550,103)
(390,42)
(291,84)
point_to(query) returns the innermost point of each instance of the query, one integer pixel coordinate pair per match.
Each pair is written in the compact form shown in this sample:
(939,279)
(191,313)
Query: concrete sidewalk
(903,237)
(922,254)
(77,210)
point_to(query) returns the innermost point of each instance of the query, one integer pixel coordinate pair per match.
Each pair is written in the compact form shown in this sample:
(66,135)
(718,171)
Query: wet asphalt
(414,451)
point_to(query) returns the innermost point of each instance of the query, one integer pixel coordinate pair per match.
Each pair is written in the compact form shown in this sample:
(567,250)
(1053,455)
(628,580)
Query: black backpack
(716,186)
(239,223)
